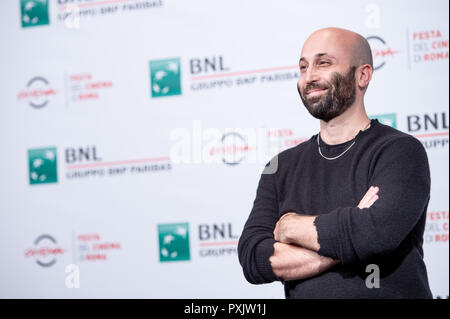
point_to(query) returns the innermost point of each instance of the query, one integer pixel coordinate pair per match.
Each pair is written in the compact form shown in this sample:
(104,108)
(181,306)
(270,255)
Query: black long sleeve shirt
(389,234)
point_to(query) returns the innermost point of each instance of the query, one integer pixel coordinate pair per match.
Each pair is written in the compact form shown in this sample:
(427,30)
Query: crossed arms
(295,252)
(272,248)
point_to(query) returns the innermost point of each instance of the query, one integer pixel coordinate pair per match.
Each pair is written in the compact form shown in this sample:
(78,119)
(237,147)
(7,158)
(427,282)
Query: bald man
(344,213)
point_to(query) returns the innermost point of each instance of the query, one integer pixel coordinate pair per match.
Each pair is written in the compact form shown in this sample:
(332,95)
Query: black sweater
(388,234)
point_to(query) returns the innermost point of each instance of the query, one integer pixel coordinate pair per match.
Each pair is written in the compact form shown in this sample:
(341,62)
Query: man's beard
(340,96)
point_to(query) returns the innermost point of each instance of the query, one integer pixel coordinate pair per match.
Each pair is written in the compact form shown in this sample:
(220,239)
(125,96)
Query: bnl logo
(386,119)
(165,77)
(173,242)
(34,13)
(42,165)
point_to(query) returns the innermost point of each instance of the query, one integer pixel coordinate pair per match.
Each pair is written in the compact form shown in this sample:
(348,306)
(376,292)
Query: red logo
(45,251)
(37,93)
(381,52)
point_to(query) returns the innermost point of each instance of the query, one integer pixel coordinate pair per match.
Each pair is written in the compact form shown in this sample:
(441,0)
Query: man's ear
(363,76)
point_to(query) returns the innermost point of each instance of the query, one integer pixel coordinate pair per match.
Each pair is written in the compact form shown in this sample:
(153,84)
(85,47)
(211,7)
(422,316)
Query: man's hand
(369,198)
(293,228)
(291,262)
(281,228)
(286,226)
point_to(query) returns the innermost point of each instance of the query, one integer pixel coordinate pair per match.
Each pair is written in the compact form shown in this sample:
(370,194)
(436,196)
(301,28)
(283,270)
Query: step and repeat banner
(134,133)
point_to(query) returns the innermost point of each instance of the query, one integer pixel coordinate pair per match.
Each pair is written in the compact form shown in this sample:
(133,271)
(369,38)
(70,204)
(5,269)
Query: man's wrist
(303,232)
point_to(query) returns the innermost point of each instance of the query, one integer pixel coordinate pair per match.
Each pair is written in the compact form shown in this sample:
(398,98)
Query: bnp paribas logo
(174,242)
(165,77)
(42,165)
(386,119)
(34,13)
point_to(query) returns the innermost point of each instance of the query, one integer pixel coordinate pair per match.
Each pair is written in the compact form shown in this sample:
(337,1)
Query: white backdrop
(134,132)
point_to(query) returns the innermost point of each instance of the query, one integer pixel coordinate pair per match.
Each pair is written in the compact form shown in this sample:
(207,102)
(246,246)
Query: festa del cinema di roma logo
(381,51)
(42,165)
(37,92)
(173,242)
(45,251)
(34,13)
(165,77)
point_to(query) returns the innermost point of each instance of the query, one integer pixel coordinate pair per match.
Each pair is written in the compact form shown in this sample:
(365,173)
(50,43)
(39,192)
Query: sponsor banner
(43,165)
(210,73)
(91,247)
(210,240)
(174,242)
(85,162)
(428,46)
(382,52)
(34,13)
(230,146)
(38,92)
(84,248)
(430,128)
(436,229)
(45,251)
(85,87)
(72,89)
(70,13)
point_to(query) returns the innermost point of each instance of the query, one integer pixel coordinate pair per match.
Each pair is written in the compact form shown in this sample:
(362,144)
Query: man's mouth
(315,92)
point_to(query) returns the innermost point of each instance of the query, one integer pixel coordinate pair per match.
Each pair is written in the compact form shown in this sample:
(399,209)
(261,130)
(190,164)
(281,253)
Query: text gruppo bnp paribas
(71,10)
(212,72)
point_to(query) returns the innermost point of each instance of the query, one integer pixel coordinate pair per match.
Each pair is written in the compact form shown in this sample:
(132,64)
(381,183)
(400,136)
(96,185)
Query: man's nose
(311,75)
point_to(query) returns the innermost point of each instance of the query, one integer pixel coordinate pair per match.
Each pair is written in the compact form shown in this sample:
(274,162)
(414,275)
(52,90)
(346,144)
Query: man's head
(335,69)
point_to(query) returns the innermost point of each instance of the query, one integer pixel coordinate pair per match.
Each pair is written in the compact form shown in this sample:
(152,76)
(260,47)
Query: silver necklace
(333,158)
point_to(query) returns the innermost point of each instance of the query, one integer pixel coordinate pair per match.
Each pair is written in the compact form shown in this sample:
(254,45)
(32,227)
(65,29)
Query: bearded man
(343,214)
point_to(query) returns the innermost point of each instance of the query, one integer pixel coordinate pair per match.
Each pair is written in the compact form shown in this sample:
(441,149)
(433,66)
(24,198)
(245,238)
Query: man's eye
(302,68)
(323,63)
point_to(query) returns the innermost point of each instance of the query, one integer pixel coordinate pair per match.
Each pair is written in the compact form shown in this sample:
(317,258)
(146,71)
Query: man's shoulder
(392,142)
(387,136)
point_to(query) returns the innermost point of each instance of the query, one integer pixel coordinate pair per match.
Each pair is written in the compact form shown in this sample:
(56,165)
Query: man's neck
(344,127)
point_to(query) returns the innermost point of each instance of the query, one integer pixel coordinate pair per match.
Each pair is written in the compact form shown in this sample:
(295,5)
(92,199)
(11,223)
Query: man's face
(329,98)
(327,84)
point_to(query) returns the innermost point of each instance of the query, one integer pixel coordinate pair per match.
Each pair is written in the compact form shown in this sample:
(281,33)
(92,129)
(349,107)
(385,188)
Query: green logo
(173,242)
(42,165)
(386,119)
(34,12)
(165,76)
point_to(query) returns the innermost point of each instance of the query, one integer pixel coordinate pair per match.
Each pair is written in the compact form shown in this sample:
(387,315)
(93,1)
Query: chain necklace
(333,158)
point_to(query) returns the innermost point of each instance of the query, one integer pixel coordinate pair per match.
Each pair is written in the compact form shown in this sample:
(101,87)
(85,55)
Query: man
(344,213)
